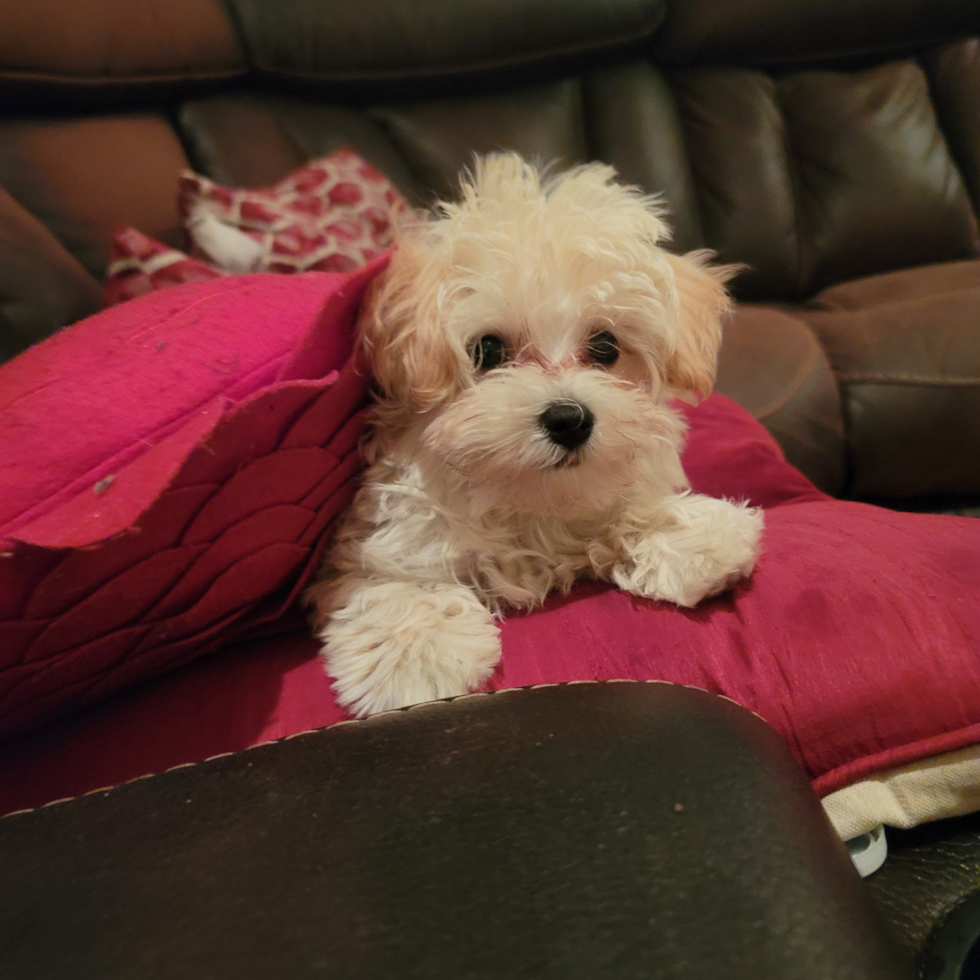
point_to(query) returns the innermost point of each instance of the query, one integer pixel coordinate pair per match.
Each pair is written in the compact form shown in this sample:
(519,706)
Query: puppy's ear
(703,302)
(409,355)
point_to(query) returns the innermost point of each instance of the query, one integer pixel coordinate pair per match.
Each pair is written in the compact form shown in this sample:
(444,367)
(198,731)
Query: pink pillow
(858,639)
(170,469)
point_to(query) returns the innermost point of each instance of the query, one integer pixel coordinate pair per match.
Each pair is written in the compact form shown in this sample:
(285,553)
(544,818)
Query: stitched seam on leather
(121,81)
(381,714)
(465,69)
(827,308)
(908,379)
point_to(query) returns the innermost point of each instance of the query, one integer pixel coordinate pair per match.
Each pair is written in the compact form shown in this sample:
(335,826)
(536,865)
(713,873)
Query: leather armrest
(593,830)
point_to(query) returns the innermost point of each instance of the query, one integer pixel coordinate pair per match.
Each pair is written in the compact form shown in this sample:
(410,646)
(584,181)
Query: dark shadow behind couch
(833,148)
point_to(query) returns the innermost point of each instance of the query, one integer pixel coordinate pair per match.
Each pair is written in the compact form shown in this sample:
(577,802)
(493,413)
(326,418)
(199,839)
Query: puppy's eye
(489,352)
(603,348)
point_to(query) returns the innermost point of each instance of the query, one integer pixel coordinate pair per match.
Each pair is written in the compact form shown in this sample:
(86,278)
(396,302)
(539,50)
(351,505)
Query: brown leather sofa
(832,148)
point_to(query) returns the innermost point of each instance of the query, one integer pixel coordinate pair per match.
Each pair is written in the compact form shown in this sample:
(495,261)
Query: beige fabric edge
(946,785)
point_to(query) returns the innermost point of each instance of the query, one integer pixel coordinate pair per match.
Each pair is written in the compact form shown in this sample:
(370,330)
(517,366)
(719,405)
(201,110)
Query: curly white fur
(473,503)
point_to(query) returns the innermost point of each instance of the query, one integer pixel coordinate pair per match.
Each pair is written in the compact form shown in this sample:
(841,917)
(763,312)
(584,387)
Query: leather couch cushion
(54,51)
(954,76)
(42,285)
(773,365)
(904,347)
(420,146)
(386,41)
(777,32)
(807,178)
(81,177)
(930,872)
(438,138)
(740,159)
(588,832)
(850,171)
(902,201)
(256,140)
(634,122)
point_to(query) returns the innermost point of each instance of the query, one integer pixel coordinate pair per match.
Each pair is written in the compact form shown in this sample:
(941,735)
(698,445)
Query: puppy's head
(531,333)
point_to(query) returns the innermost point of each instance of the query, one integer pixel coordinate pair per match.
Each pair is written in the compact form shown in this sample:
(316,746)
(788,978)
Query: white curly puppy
(524,343)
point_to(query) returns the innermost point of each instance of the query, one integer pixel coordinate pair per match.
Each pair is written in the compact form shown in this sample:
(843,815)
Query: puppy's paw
(395,643)
(708,545)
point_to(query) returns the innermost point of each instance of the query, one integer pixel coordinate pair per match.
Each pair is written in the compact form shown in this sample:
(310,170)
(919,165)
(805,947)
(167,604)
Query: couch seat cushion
(772,364)
(906,350)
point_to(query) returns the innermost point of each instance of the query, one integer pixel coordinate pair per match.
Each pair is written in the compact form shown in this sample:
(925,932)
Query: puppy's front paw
(709,545)
(395,643)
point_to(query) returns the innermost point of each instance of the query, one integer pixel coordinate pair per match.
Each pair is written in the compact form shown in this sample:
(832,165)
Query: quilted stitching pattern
(223,545)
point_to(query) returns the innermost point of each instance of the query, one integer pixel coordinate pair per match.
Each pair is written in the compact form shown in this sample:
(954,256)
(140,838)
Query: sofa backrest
(813,142)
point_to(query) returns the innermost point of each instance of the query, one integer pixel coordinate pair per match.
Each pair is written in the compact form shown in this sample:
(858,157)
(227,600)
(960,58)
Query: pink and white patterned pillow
(331,215)
(139,264)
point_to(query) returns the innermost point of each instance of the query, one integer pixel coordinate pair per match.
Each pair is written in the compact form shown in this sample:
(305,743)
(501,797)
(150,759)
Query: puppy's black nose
(568,424)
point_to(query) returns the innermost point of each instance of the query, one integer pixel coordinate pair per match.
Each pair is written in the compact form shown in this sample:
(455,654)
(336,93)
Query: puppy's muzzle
(568,424)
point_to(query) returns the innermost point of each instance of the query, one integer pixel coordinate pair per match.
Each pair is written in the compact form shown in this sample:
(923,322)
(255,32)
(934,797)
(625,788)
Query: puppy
(525,343)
